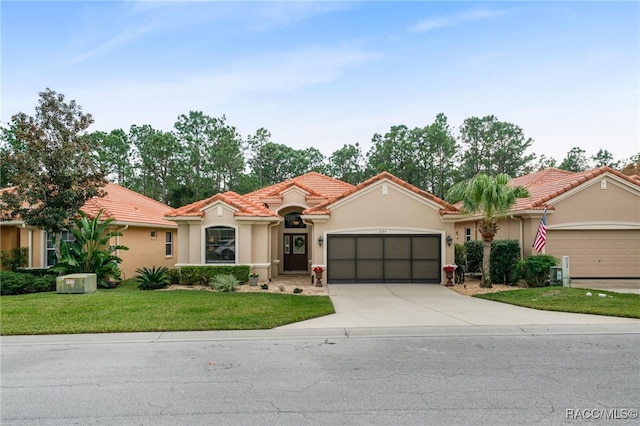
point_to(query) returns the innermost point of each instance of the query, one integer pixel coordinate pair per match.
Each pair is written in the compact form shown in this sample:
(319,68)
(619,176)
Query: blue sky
(325,74)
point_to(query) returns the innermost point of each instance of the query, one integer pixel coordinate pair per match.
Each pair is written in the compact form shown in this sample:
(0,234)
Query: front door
(295,252)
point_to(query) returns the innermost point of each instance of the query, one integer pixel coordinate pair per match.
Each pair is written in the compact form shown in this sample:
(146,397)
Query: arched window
(220,245)
(293,220)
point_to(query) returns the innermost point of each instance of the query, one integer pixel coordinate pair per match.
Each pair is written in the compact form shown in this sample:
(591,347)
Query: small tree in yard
(51,163)
(91,252)
(492,197)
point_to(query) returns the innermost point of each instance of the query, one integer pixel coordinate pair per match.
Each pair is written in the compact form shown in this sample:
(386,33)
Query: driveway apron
(415,305)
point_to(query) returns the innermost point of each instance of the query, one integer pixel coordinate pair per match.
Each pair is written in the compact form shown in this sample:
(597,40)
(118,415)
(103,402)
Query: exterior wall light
(320,240)
(449,240)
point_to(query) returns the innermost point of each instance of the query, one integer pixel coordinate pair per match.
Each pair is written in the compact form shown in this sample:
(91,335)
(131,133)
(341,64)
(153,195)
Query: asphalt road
(501,378)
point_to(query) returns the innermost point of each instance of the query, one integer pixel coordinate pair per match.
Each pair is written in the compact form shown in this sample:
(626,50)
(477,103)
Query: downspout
(118,239)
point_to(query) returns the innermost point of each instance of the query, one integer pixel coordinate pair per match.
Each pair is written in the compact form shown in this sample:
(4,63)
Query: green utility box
(555,275)
(77,283)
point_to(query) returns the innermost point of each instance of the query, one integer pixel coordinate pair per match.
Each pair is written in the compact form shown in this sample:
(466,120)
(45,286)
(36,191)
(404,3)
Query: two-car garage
(383,258)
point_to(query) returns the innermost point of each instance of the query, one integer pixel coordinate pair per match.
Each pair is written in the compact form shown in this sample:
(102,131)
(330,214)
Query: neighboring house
(152,241)
(593,217)
(382,230)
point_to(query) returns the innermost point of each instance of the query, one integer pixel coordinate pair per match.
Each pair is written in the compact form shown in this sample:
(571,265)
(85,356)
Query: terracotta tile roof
(317,186)
(323,208)
(244,205)
(125,206)
(548,184)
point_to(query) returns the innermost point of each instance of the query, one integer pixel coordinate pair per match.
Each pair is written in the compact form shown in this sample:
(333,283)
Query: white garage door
(597,254)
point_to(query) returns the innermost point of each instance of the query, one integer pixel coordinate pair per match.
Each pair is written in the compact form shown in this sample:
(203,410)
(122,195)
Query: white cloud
(456,19)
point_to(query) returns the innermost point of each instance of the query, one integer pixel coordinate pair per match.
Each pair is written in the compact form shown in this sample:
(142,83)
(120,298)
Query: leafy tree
(156,156)
(543,162)
(575,161)
(394,153)
(90,252)
(436,148)
(113,150)
(605,158)
(52,168)
(632,165)
(491,197)
(347,164)
(492,147)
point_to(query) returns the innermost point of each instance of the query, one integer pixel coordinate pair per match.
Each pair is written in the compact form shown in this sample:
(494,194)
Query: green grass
(575,300)
(128,309)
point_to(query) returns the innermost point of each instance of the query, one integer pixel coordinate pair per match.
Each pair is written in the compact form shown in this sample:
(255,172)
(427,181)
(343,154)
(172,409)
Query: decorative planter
(449,270)
(318,279)
(253,281)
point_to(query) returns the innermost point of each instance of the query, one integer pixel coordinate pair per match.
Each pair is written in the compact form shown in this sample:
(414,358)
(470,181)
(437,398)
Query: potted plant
(449,270)
(318,271)
(253,279)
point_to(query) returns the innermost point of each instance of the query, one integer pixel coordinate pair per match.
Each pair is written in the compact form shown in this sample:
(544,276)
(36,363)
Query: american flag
(541,235)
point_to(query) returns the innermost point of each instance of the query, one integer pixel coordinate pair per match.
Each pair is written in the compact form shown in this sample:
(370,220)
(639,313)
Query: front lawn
(128,309)
(575,300)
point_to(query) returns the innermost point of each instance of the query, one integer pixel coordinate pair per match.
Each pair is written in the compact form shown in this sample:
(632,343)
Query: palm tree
(492,197)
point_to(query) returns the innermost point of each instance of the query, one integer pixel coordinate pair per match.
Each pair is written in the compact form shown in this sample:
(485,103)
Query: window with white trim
(168,245)
(51,248)
(220,245)
(467,234)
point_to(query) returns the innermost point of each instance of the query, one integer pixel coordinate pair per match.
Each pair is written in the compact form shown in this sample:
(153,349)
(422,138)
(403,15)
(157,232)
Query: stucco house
(593,217)
(150,238)
(383,230)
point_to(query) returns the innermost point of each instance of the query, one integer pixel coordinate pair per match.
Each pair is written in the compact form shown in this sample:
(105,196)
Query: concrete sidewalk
(406,305)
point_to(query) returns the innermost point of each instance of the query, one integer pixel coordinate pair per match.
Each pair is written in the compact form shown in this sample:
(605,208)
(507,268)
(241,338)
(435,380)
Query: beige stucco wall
(384,208)
(145,251)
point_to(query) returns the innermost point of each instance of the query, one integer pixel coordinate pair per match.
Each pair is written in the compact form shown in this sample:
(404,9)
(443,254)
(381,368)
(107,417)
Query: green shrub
(13,283)
(205,275)
(152,279)
(174,276)
(504,255)
(474,255)
(13,259)
(534,270)
(224,282)
(460,255)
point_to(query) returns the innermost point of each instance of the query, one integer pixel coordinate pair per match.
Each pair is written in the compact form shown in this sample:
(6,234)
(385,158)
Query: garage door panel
(370,270)
(369,248)
(598,254)
(397,248)
(342,270)
(426,270)
(426,248)
(383,258)
(397,270)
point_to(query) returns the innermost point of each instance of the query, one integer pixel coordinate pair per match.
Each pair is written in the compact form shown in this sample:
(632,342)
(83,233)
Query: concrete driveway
(415,305)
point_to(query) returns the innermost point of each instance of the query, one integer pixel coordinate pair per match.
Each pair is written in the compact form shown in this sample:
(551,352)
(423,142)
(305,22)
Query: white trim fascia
(260,265)
(211,206)
(294,188)
(144,225)
(191,219)
(258,219)
(621,183)
(12,223)
(595,226)
(286,206)
(316,218)
(383,231)
(375,186)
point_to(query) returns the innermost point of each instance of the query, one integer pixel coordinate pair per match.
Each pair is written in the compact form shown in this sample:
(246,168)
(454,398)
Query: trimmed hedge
(505,254)
(14,283)
(534,270)
(190,275)
(474,255)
